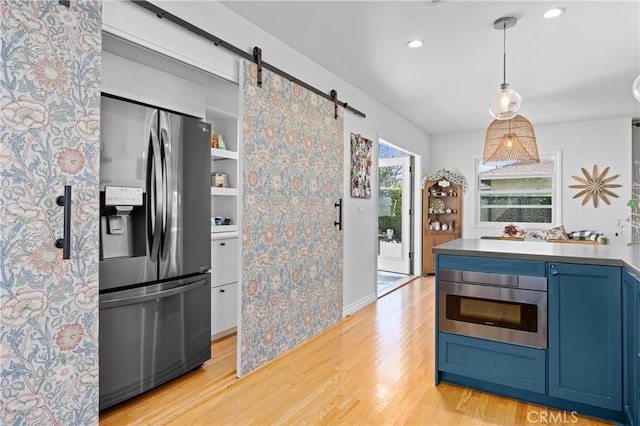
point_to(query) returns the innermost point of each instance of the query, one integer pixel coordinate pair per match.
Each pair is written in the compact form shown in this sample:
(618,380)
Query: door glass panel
(394,220)
(390,203)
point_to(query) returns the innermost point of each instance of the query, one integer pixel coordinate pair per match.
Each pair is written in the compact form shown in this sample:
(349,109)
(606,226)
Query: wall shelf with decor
(224,172)
(442,217)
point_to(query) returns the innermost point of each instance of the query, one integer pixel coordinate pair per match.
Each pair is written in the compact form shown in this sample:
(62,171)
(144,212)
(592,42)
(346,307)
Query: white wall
(126,20)
(582,144)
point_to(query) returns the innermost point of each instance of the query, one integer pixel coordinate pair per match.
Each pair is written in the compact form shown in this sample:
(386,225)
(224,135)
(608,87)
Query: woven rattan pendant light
(510,141)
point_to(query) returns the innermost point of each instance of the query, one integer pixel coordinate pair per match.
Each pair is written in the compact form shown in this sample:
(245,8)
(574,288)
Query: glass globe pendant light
(506,102)
(636,88)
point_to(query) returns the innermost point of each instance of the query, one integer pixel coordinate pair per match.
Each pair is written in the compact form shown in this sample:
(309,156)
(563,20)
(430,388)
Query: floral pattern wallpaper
(50,124)
(292,175)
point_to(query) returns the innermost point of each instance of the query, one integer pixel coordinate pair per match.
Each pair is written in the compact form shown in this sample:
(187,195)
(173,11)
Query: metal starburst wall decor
(594,186)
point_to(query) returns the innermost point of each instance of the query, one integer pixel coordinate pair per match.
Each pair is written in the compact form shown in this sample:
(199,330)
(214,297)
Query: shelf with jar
(442,218)
(224,171)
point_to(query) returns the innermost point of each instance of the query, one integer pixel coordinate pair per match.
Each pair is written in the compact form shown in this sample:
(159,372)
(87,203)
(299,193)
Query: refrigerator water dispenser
(122,222)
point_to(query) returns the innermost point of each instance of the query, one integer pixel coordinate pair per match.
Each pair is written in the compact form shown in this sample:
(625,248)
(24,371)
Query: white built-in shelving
(224,201)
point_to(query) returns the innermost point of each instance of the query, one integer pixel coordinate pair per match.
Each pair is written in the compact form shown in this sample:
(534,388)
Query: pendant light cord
(504,54)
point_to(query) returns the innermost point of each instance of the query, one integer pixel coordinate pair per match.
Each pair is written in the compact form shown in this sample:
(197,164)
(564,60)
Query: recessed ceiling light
(415,43)
(554,12)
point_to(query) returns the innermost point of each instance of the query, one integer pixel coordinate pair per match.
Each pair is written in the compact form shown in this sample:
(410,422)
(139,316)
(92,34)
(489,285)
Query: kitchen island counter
(531,342)
(627,257)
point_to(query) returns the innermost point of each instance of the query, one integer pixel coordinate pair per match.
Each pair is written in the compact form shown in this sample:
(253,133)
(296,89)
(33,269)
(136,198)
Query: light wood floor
(374,368)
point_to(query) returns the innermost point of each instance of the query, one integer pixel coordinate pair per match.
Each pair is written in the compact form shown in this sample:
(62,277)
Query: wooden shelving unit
(441,204)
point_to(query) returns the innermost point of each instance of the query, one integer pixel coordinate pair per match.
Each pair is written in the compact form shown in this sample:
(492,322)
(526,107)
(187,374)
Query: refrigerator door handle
(154,182)
(167,185)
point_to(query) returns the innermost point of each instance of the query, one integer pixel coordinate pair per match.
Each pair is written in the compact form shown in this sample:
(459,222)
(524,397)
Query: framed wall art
(360,166)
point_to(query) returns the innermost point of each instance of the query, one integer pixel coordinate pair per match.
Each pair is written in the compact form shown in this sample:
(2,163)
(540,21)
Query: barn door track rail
(255,56)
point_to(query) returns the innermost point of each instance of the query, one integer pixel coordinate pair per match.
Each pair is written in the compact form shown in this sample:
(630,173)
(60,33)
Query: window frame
(556,191)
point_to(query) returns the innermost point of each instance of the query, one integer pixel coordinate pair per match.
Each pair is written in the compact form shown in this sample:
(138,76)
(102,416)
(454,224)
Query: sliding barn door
(49,137)
(292,176)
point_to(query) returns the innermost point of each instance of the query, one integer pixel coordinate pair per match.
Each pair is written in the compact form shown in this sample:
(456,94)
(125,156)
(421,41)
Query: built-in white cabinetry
(224,285)
(224,310)
(224,255)
(224,223)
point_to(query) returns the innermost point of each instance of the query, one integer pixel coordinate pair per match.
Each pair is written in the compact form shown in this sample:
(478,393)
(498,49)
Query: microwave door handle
(167,184)
(155,184)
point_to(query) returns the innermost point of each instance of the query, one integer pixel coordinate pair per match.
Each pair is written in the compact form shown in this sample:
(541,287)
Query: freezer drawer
(224,261)
(150,335)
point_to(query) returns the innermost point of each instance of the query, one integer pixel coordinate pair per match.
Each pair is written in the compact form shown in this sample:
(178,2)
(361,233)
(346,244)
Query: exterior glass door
(394,219)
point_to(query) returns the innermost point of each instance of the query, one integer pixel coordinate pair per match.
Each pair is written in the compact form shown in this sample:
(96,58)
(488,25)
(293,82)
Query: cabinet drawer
(501,363)
(224,261)
(224,308)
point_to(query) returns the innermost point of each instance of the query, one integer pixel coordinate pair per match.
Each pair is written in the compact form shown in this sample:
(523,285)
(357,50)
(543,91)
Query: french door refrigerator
(155,304)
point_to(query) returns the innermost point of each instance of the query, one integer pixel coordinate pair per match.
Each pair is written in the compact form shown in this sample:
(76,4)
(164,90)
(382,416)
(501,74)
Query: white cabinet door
(224,309)
(224,261)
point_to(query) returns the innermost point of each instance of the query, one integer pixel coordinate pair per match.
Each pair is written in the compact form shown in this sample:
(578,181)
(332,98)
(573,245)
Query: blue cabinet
(631,346)
(515,366)
(585,334)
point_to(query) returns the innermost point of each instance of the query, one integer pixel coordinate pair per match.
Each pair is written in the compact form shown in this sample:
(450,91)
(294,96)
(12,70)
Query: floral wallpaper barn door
(49,137)
(292,176)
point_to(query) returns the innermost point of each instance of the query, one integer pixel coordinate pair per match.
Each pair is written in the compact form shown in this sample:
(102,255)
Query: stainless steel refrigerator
(155,253)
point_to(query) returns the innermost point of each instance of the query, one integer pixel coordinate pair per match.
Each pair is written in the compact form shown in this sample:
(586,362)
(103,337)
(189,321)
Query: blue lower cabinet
(509,365)
(585,334)
(630,318)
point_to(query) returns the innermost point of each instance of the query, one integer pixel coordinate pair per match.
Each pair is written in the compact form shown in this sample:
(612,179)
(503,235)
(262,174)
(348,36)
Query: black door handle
(338,223)
(65,242)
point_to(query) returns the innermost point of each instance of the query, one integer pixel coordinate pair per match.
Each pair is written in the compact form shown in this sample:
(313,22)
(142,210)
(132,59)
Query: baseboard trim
(356,306)
(223,333)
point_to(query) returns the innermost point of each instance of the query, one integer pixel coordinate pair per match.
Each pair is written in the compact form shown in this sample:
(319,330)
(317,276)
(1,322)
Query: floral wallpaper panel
(292,175)
(49,137)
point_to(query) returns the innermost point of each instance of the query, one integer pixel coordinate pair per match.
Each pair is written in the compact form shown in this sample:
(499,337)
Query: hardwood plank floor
(375,368)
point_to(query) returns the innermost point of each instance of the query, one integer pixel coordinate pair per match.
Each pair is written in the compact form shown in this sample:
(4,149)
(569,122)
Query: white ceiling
(578,66)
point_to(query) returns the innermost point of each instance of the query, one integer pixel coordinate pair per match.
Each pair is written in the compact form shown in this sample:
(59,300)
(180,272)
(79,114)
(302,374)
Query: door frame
(416,207)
